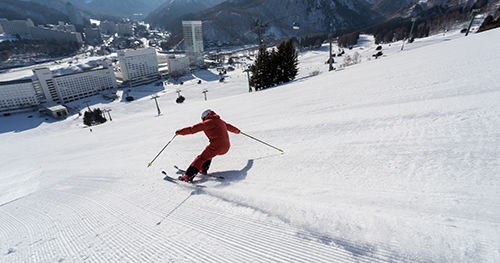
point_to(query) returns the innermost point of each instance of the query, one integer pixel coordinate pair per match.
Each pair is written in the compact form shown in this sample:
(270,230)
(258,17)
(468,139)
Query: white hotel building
(17,94)
(139,67)
(178,66)
(45,88)
(75,86)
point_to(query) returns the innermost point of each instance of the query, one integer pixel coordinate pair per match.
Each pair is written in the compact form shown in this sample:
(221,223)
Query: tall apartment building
(193,42)
(92,35)
(26,28)
(17,27)
(42,32)
(139,66)
(107,27)
(74,17)
(124,29)
(65,27)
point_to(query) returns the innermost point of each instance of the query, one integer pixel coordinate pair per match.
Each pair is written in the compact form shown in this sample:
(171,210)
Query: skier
(216,130)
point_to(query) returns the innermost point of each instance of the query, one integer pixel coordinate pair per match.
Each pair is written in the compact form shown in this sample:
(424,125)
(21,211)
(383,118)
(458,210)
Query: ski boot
(205,166)
(186,178)
(189,174)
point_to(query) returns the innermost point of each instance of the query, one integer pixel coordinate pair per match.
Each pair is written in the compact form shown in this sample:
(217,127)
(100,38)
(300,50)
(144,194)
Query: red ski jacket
(215,129)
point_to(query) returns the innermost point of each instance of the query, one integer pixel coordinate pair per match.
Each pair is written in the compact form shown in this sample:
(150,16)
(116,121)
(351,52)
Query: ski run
(395,159)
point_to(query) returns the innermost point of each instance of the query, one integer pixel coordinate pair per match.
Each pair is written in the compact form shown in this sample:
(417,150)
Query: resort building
(42,32)
(48,91)
(17,95)
(139,67)
(74,17)
(67,88)
(193,42)
(17,27)
(178,66)
(26,28)
(92,35)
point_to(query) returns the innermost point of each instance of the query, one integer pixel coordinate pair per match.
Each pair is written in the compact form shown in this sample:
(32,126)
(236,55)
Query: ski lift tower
(248,70)
(473,15)
(258,26)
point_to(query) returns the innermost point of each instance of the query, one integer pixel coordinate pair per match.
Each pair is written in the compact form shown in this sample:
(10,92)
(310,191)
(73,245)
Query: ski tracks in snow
(78,223)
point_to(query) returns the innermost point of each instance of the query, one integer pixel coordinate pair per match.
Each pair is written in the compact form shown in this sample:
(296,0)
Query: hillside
(231,20)
(391,160)
(38,13)
(137,9)
(171,10)
(52,11)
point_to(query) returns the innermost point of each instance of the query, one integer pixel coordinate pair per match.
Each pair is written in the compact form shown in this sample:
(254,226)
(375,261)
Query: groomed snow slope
(391,160)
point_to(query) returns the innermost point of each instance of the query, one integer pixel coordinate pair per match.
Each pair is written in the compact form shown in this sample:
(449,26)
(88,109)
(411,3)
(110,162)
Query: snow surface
(390,160)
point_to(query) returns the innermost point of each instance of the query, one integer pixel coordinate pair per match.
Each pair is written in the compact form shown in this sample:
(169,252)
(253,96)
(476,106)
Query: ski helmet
(205,113)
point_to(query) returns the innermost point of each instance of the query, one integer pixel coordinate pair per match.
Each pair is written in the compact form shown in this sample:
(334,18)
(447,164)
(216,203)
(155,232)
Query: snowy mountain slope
(232,20)
(173,9)
(394,159)
(93,8)
(124,7)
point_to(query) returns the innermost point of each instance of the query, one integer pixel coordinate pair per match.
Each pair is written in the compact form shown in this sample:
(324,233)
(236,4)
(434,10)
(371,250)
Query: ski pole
(149,164)
(262,142)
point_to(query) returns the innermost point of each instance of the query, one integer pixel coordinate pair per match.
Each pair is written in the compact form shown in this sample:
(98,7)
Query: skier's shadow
(234,175)
(229,176)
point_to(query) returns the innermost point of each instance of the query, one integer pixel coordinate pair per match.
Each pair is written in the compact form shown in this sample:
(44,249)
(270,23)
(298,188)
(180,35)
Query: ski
(178,181)
(206,175)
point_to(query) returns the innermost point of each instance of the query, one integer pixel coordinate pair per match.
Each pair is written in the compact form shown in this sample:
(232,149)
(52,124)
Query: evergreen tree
(275,67)
(262,75)
(489,23)
(88,118)
(94,117)
(98,116)
(351,39)
(288,63)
